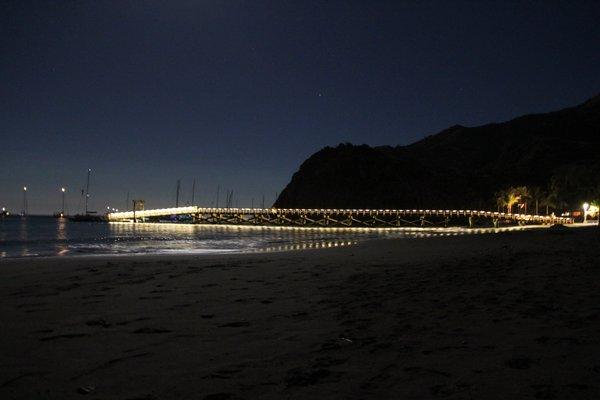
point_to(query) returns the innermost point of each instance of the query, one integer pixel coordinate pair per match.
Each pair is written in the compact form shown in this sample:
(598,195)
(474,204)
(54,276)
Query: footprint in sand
(98,322)
(132,320)
(306,377)
(519,363)
(151,330)
(218,396)
(236,324)
(65,336)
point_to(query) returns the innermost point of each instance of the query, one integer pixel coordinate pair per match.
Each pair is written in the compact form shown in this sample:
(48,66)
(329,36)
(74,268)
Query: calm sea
(46,236)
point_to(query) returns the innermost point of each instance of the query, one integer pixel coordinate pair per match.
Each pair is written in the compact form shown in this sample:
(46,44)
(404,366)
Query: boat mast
(177,195)
(87,190)
(193,191)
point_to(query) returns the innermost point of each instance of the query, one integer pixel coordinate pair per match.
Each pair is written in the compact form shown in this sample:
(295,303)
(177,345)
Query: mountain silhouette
(459,167)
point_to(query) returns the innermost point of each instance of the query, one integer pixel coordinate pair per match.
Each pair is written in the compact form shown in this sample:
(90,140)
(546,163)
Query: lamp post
(63,190)
(586,206)
(134,207)
(25,200)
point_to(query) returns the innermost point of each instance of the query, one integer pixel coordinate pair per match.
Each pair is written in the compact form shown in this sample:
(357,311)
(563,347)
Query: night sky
(238,94)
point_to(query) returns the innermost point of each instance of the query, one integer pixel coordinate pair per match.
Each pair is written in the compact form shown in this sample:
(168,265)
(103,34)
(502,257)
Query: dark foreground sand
(506,316)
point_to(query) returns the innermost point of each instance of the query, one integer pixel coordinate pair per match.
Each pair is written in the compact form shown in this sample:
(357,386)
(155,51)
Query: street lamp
(25,200)
(586,206)
(63,190)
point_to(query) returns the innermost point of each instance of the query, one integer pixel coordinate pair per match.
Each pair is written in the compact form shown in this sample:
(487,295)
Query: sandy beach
(499,316)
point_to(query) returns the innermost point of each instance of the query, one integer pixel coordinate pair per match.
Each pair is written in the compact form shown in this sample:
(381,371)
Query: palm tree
(508,198)
(537,194)
(557,192)
(501,199)
(548,200)
(522,193)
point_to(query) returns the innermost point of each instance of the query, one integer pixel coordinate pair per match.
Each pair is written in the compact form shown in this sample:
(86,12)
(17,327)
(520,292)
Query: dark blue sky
(238,94)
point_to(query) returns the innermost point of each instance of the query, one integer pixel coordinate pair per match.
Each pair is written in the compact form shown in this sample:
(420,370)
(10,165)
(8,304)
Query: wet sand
(505,316)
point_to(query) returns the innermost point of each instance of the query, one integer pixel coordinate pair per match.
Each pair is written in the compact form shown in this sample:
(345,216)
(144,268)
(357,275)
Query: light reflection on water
(45,236)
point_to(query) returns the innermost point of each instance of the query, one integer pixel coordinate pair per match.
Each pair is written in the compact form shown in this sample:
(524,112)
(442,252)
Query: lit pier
(311,217)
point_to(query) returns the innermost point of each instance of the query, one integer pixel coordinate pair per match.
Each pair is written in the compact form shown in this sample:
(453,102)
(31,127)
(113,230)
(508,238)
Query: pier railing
(333,217)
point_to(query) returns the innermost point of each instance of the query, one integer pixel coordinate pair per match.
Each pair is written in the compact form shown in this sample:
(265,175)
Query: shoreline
(413,232)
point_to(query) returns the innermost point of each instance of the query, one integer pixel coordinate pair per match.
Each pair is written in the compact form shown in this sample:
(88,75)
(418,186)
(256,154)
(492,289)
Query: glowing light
(24,188)
(282,213)
(586,206)
(62,190)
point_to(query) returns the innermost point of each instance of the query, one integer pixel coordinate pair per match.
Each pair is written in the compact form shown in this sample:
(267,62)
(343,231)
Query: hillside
(460,167)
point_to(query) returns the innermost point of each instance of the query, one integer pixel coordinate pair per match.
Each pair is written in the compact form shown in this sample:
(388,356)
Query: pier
(310,217)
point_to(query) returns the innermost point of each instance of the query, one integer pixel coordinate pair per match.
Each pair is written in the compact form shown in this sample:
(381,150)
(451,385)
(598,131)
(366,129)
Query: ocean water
(46,236)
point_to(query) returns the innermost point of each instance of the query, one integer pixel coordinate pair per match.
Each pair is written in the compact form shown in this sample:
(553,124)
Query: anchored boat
(88,216)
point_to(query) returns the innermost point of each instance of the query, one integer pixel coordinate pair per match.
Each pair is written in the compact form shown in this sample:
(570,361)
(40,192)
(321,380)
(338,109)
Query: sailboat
(89,216)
